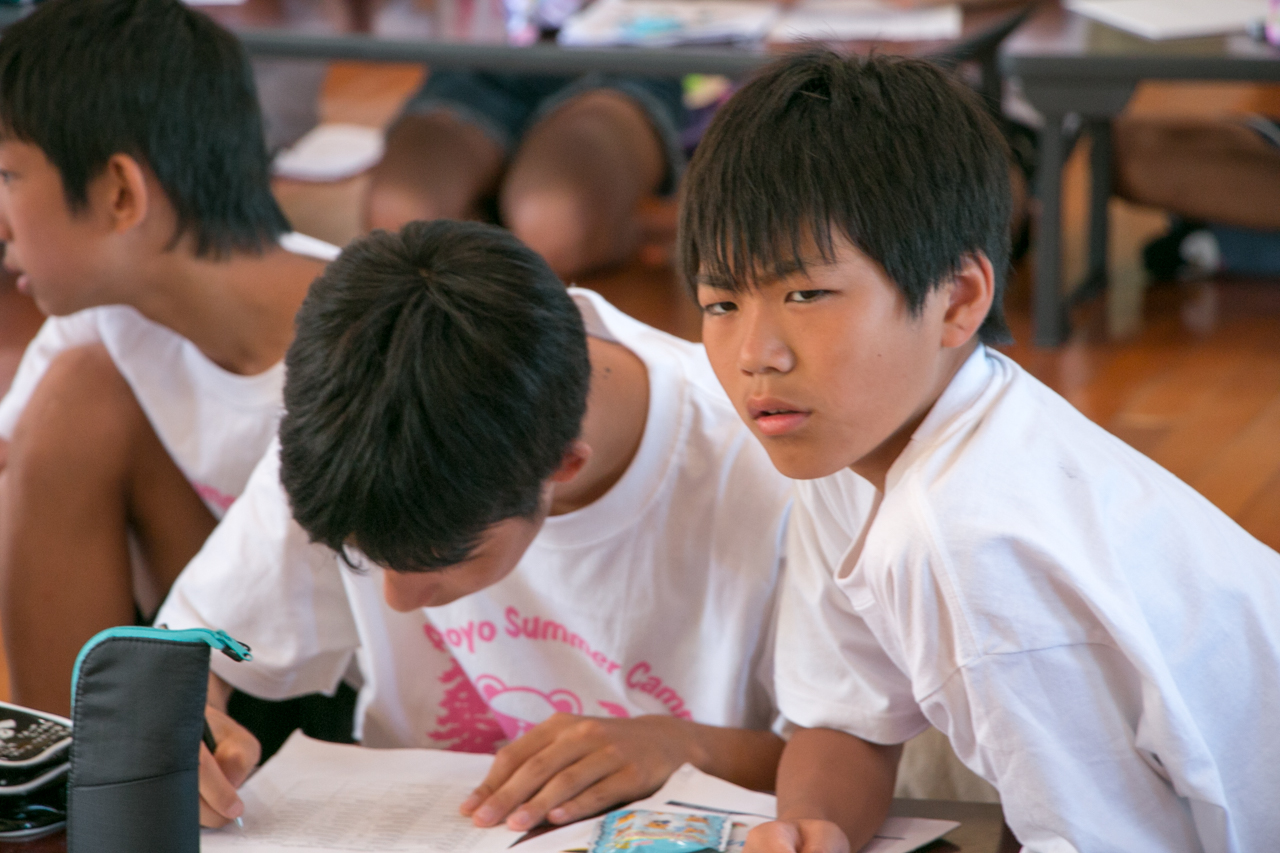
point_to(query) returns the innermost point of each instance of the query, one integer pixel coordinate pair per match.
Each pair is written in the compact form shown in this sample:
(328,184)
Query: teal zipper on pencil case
(220,640)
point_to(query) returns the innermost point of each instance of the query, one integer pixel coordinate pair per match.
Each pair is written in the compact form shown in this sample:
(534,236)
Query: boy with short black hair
(968,551)
(136,210)
(557,533)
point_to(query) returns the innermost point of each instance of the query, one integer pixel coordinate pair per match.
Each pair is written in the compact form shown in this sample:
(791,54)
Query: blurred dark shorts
(505,106)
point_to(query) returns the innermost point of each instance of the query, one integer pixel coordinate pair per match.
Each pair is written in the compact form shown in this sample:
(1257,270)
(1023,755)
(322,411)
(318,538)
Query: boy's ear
(970,293)
(123,192)
(572,461)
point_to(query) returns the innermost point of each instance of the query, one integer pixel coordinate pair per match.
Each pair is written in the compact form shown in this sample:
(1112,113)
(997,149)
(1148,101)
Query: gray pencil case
(137,711)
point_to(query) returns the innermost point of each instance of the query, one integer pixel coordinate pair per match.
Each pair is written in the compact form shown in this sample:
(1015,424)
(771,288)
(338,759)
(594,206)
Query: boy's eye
(803,296)
(718,309)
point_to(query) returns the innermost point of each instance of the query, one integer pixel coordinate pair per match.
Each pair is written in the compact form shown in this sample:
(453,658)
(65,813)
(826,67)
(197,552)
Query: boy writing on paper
(136,210)
(526,519)
(967,550)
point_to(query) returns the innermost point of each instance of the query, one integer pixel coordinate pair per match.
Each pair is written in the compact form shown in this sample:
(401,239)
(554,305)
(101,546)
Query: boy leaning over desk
(521,516)
(967,550)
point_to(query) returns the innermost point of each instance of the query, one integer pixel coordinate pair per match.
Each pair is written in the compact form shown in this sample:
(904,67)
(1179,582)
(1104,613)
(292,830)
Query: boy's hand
(571,767)
(797,836)
(221,774)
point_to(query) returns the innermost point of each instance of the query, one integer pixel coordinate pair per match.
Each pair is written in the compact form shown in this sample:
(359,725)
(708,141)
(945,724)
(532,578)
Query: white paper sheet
(691,790)
(1169,19)
(661,23)
(316,797)
(850,20)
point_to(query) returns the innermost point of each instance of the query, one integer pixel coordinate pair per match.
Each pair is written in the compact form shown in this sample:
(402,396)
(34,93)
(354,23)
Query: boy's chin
(799,462)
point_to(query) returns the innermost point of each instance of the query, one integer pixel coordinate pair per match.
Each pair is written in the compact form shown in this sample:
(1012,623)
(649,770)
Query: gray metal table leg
(1095,281)
(1049,308)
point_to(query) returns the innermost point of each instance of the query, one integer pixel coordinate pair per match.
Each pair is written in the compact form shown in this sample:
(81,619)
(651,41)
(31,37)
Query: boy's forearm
(830,775)
(743,756)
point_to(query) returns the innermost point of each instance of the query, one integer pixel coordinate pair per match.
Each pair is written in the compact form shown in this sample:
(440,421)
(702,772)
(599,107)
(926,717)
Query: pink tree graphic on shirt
(466,724)
(480,717)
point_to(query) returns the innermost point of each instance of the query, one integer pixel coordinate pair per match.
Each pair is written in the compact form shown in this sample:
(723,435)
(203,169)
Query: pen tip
(240,822)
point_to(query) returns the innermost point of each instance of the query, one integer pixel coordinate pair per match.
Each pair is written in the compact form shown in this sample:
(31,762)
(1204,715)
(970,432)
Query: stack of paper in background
(662,23)
(866,20)
(1172,19)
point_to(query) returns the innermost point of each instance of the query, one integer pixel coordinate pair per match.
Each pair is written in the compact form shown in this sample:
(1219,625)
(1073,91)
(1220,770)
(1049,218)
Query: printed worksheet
(317,797)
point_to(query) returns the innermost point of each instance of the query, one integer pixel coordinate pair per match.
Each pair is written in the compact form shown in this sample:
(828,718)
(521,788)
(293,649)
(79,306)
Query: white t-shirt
(214,424)
(1096,639)
(657,598)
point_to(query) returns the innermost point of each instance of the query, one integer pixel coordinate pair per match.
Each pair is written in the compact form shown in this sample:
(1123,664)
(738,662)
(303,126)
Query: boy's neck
(237,311)
(617,407)
(874,467)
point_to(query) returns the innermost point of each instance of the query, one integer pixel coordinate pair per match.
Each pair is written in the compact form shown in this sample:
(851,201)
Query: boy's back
(1092,635)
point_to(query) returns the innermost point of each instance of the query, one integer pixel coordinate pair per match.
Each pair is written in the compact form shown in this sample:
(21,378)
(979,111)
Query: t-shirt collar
(953,407)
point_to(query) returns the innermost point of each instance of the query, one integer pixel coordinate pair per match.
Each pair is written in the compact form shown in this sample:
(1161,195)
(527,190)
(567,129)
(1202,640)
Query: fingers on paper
(219,803)
(570,767)
(777,836)
(821,836)
(238,750)
(523,767)
(600,778)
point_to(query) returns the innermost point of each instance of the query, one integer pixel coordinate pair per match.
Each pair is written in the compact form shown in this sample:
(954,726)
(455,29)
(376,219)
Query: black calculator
(35,751)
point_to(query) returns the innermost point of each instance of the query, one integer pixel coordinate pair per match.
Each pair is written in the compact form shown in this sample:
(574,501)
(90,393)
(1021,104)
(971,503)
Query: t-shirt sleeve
(830,671)
(260,579)
(56,335)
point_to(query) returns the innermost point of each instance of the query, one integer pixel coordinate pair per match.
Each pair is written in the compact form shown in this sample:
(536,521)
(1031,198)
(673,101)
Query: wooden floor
(1190,376)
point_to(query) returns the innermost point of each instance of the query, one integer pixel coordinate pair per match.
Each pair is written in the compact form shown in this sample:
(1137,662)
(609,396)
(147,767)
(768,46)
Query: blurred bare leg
(84,468)
(575,184)
(1214,170)
(436,166)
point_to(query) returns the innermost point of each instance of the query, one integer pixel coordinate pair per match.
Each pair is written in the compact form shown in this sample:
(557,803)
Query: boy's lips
(21,280)
(776,417)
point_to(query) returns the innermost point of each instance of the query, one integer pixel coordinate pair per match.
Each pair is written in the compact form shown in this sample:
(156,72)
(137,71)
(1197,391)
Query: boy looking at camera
(137,212)
(967,550)
(522,516)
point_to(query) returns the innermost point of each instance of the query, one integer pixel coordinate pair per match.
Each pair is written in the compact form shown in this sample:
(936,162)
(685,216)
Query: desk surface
(980,830)
(472,33)
(1062,45)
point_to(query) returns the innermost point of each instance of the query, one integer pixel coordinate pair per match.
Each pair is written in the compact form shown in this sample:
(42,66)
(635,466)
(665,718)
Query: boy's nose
(404,592)
(762,348)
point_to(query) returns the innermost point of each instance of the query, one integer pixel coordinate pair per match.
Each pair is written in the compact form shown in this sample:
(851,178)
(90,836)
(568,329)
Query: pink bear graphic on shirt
(480,717)
(518,709)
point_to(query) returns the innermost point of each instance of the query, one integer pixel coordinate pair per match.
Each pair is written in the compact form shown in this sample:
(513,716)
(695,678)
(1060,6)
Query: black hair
(893,154)
(437,379)
(86,79)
